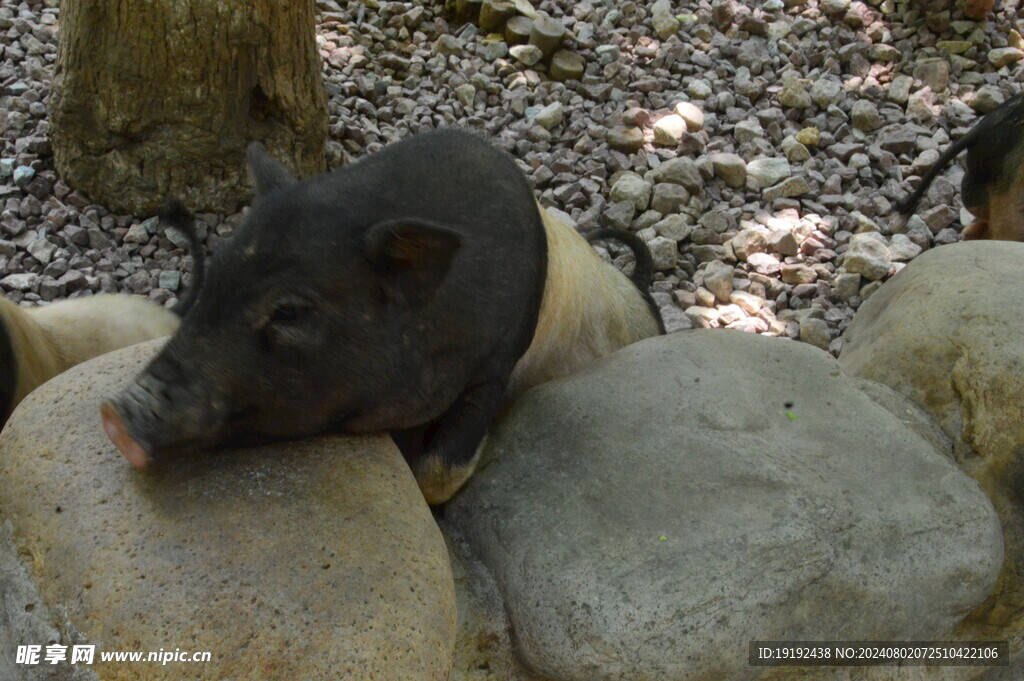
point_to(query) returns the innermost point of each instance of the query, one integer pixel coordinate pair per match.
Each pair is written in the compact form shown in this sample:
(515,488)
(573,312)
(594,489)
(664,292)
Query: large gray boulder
(646,518)
(946,332)
(315,559)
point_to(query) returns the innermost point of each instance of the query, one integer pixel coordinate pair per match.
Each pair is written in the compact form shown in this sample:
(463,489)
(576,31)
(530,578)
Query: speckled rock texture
(946,333)
(647,517)
(483,650)
(306,560)
(25,620)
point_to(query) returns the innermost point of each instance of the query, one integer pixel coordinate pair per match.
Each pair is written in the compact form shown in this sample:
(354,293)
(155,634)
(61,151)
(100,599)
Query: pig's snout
(114,427)
(164,412)
(134,420)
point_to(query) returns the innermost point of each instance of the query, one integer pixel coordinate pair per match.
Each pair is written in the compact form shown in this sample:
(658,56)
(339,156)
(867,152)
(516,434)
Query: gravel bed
(758,147)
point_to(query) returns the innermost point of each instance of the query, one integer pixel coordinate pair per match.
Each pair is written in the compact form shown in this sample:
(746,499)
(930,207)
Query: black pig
(401,293)
(993,187)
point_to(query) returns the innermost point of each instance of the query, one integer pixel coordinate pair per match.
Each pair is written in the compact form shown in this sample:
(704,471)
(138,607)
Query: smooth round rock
(625,139)
(309,559)
(648,516)
(690,113)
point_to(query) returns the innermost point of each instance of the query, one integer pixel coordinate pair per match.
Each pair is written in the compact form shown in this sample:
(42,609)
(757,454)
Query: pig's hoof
(440,482)
(113,426)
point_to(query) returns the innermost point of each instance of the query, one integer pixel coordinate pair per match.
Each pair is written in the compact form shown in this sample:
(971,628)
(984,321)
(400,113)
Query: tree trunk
(154,98)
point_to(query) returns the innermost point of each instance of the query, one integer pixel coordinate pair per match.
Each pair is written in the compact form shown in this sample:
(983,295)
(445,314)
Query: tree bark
(154,98)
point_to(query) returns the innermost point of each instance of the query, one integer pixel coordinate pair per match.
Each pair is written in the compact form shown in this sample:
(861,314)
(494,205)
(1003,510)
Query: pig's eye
(286,314)
(286,324)
(289,311)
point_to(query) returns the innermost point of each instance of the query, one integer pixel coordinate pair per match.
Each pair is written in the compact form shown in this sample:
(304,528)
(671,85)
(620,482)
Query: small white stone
(692,115)
(729,314)
(1004,56)
(664,252)
(551,115)
(748,302)
(764,172)
(747,130)
(23,281)
(867,256)
(718,279)
(669,130)
(633,188)
(903,249)
(137,234)
(699,89)
(528,55)
(465,94)
(795,151)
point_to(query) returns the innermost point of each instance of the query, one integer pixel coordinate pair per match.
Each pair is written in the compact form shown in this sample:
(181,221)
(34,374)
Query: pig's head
(299,326)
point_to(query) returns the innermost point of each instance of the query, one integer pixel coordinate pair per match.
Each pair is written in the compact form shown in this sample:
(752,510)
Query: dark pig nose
(113,426)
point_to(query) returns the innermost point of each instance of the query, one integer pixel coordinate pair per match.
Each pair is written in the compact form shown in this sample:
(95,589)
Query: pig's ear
(411,256)
(266,172)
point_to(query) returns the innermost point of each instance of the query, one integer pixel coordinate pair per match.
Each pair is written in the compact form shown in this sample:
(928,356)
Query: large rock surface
(946,332)
(483,650)
(647,517)
(308,560)
(25,620)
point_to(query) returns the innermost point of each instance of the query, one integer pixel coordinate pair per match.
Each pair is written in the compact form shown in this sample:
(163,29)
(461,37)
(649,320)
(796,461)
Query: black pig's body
(395,294)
